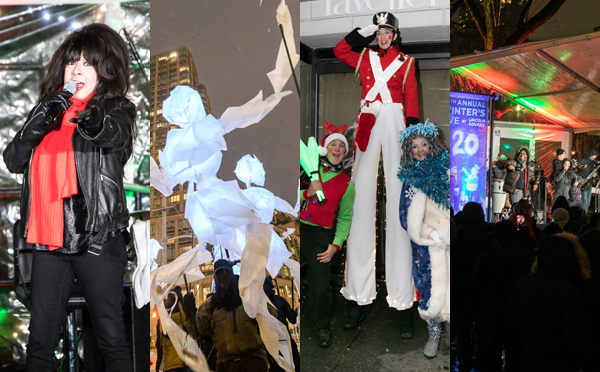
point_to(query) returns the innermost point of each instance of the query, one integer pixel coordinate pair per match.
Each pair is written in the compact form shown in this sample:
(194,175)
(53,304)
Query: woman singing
(72,150)
(425,214)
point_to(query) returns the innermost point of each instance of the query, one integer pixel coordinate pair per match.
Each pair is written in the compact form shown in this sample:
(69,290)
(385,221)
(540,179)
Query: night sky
(234,44)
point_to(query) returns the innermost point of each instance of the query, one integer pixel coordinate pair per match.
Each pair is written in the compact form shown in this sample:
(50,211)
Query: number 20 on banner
(470,144)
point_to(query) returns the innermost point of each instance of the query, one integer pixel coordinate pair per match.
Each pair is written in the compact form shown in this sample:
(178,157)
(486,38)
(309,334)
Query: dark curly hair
(436,146)
(104,49)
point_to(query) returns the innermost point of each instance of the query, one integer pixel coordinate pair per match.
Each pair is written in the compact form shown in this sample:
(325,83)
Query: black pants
(245,364)
(315,240)
(101,279)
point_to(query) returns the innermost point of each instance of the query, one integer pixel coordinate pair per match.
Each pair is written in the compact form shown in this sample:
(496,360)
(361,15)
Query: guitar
(586,183)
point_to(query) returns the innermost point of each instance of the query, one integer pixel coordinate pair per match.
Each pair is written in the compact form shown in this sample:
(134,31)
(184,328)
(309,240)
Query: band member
(587,166)
(520,179)
(317,221)
(72,150)
(557,163)
(565,178)
(389,93)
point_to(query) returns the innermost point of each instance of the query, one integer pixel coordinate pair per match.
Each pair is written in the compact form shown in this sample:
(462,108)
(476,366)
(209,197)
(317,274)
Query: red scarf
(53,177)
(527,223)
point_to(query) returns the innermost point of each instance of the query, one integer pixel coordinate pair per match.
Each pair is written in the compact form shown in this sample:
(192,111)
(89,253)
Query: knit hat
(575,191)
(560,152)
(561,217)
(502,157)
(333,133)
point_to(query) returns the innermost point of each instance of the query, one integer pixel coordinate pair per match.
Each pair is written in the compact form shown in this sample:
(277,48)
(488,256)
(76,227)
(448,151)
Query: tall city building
(168,70)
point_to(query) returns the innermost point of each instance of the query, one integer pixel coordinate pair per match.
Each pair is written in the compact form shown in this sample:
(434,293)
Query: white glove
(438,242)
(368,31)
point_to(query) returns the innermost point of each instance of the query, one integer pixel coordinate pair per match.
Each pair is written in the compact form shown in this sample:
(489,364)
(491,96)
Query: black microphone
(70,87)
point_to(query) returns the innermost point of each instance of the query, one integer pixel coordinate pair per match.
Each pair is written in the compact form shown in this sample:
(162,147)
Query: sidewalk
(375,345)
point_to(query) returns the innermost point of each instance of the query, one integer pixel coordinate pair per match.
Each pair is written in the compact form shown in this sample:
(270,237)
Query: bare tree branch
(535,22)
(455,7)
(524,13)
(490,37)
(479,21)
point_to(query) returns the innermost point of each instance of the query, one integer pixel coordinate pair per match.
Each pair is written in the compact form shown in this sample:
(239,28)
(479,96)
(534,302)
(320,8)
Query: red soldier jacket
(410,101)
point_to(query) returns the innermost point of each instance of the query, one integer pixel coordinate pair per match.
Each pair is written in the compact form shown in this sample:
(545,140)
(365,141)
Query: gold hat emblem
(382,19)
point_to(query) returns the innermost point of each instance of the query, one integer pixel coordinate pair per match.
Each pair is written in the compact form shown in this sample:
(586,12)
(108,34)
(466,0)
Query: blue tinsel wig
(425,130)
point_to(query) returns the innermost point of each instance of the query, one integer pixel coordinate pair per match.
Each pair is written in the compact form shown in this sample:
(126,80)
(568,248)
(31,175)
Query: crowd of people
(525,294)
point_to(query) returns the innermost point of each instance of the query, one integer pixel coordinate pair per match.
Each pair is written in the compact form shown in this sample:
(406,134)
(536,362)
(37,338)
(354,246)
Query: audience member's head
(551,229)
(583,262)
(560,202)
(505,230)
(523,208)
(556,254)
(575,192)
(589,241)
(472,214)
(561,216)
(572,227)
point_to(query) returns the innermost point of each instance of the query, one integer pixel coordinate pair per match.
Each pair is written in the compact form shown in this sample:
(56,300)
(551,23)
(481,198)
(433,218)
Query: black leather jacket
(98,160)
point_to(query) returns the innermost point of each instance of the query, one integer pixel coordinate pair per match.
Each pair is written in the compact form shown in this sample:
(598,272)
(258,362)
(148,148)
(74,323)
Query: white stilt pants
(359,276)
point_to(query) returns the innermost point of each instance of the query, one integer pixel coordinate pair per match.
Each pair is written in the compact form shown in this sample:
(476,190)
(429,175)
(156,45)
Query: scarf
(528,222)
(431,177)
(53,177)
(327,166)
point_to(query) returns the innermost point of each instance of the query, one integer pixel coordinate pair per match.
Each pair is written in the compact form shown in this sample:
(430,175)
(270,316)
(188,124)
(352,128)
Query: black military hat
(385,20)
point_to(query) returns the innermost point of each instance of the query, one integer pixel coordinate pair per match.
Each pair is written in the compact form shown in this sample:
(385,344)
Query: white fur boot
(435,332)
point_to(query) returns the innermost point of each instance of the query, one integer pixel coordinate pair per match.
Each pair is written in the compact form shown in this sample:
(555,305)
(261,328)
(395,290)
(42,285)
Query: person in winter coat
(576,210)
(71,151)
(473,235)
(496,272)
(591,297)
(557,163)
(425,214)
(164,346)
(565,179)
(550,295)
(520,179)
(524,209)
(235,335)
(285,313)
(587,166)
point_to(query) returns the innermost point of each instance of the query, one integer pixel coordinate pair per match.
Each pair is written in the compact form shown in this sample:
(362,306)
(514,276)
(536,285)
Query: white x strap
(381,78)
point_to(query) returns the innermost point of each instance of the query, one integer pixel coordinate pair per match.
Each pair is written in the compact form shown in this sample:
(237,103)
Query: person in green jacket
(235,335)
(316,225)
(164,347)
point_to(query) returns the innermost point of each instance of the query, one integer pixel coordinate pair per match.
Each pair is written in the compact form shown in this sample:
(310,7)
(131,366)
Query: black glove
(91,123)
(411,121)
(53,103)
(189,305)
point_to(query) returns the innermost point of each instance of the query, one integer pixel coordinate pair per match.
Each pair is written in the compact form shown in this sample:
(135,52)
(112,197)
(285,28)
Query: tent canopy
(558,79)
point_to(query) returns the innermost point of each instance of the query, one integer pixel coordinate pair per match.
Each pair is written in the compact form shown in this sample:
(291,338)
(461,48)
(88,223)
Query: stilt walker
(389,94)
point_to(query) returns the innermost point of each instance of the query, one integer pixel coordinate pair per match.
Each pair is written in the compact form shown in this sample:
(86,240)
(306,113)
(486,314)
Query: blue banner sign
(468,153)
